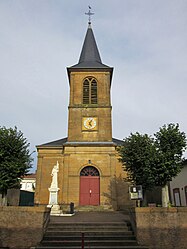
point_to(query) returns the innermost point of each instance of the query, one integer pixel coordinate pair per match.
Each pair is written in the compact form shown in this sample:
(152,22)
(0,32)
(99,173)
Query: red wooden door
(89,190)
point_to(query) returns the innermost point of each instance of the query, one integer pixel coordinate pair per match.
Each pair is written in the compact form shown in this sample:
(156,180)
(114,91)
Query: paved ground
(92,217)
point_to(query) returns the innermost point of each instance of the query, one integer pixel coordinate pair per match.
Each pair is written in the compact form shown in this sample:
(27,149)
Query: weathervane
(89,13)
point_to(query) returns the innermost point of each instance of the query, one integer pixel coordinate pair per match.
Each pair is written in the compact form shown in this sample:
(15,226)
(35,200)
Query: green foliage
(153,161)
(138,156)
(15,159)
(170,143)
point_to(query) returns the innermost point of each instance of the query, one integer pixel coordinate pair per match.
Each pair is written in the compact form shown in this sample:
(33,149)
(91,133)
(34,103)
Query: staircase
(106,233)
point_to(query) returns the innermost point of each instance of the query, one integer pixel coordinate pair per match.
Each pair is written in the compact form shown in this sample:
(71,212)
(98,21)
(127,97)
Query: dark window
(90,91)
(89,171)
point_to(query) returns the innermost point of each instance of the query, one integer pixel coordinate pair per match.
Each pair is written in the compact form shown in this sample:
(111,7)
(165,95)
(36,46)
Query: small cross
(89,13)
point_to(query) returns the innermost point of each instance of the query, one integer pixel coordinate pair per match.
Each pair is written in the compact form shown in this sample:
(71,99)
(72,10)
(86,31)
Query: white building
(178,188)
(28,182)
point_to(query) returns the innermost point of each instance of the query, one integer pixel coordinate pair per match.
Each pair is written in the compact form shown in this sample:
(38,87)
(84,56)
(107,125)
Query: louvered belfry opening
(86,91)
(90,91)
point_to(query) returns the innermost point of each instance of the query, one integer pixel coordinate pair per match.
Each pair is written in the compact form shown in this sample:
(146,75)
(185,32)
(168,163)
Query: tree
(15,158)
(154,161)
(171,144)
(138,156)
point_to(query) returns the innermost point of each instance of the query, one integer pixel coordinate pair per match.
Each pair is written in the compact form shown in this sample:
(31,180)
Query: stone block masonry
(22,227)
(162,228)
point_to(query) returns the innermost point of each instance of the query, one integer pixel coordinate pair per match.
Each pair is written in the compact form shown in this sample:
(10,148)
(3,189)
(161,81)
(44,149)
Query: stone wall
(13,197)
(22,227)
(162,228)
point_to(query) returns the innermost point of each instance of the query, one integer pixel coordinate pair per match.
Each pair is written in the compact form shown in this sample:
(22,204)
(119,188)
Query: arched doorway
(89,186)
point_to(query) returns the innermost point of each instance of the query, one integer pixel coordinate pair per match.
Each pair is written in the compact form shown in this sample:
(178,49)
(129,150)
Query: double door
(89,190)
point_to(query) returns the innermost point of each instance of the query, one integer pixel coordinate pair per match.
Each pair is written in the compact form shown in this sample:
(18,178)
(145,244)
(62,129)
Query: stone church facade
(89,171)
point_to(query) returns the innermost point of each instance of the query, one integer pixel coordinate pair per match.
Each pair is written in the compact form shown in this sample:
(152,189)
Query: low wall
(162,228)
(22,227)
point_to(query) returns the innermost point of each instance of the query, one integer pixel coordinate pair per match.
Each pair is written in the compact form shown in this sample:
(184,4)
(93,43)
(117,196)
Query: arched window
(90,91)
(89,171)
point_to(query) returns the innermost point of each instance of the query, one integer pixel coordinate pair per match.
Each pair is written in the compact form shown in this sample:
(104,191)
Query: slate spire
(90,52)
(90,57)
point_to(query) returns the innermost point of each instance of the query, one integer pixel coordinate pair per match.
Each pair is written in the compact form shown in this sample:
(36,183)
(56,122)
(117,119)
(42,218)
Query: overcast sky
(144,40)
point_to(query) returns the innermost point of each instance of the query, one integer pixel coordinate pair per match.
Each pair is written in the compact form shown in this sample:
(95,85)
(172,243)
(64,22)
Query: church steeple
(90,57)
(90,52)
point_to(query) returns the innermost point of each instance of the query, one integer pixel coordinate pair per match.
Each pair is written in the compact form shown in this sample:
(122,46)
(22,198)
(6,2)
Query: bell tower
(89,118)
(90,173)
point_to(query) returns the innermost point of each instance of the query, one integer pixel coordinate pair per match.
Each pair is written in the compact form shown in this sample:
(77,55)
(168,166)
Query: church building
(89,171)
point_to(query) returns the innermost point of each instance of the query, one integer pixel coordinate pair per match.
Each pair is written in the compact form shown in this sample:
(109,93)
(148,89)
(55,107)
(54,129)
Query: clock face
(90,123)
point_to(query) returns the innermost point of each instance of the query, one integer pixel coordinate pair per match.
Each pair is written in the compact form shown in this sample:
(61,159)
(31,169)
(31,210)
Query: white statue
(53,193)
(53,190)
(54,173)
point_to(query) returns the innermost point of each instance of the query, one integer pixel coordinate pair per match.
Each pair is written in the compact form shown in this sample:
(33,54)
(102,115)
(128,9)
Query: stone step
(118,227)
(62,225)
(89,229)
(90,236)
(90,243)
(94,208)
(111,232)
(73,233)
(71,241)
(87,225)
(95,247)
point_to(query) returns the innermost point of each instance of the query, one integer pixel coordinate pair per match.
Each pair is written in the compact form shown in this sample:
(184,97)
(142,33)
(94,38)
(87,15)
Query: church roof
(90,57)
(118,142)
(63,141)
(56,143)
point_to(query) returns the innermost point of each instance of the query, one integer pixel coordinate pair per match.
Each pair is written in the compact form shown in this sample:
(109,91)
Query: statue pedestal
(53,201)
(55,210)
(53,196)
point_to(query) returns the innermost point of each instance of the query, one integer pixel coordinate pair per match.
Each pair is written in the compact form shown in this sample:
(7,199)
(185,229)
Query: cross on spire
(89,13)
